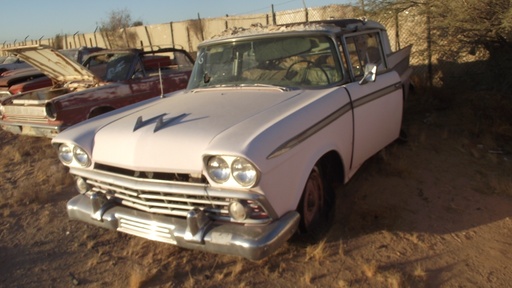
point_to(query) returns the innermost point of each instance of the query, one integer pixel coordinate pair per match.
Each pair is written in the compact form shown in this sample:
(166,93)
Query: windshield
(298,61)
(11,60)
(111,67)
(70,54)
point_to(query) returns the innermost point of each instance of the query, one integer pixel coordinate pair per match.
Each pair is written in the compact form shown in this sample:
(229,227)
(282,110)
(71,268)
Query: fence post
(306,14)
(172,34)
(429,49)
(149,37)
(189,41)
(273,15)
(397,32)
(200,27)
(95,39)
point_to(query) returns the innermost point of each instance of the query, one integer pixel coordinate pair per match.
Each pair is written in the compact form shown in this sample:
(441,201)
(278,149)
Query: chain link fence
(437,60)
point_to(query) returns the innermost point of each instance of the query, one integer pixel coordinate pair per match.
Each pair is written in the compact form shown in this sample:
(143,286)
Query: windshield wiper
(283,88)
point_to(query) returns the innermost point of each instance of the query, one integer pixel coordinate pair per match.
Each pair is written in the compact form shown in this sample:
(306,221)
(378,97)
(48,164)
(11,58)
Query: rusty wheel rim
(313,199)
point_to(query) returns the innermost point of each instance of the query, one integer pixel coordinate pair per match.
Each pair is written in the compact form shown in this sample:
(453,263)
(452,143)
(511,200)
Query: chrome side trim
(377,94)
(299,138)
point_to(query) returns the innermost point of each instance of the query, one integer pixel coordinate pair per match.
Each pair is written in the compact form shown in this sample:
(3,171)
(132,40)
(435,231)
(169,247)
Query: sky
(36,19)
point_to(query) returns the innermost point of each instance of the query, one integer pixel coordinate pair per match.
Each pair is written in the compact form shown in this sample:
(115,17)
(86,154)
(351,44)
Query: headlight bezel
(240,169)
(50,111)
(73,155)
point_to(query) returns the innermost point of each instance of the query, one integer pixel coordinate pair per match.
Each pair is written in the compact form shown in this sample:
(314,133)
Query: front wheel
(315,206)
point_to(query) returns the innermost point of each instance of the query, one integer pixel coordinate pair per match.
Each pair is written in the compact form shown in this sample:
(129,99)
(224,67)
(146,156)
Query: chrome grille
(162,202)
(26,114)
(174,197)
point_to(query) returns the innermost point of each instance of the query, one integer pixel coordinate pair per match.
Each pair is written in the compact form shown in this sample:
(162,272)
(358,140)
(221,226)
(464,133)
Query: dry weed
(308,276)
(191,282)
(141,276)
(419,273)
(342,284)
(222,275)
(370,269)
(393,279)
(341,249)
(501,185)
(93,262)
(29,192)
(394,162)
(317,251)
(237,268)
(137,279)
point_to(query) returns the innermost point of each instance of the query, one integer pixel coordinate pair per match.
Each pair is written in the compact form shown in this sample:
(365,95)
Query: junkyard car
(108,80)
(250,152)
(13,63)
(26,79)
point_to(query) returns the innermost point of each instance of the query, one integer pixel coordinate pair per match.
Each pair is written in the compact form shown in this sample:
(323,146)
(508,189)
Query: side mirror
(370,73)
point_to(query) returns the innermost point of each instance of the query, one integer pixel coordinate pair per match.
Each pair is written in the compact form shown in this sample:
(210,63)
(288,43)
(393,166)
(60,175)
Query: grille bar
(162,202)
(146,229)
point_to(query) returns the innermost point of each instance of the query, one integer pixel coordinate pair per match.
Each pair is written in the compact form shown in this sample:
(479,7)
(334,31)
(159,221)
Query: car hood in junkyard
(175,133)
(52,63)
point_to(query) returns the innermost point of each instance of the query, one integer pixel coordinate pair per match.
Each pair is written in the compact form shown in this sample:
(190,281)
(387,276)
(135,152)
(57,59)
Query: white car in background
(249,153)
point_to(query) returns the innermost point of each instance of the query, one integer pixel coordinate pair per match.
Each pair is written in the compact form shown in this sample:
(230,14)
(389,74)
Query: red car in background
(108,80)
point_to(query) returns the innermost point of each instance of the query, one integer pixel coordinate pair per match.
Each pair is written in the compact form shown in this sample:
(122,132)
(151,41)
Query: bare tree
(115,29)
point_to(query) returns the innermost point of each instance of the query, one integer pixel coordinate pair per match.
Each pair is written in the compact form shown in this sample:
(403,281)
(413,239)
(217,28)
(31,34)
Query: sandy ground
(433,212)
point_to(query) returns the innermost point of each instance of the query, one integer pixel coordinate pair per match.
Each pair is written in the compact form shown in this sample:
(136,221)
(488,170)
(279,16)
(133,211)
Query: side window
(182,61)
(363,49)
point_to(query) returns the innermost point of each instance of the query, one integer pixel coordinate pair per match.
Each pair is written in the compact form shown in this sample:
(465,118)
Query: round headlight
(218,169)
(65,153)
(244,172)
(51,112)
(81,156)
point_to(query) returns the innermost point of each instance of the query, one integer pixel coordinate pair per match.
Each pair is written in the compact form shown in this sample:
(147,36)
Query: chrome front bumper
(197,231)
(40,130)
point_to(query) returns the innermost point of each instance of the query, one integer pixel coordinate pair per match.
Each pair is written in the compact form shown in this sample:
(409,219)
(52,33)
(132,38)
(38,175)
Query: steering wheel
(289,75)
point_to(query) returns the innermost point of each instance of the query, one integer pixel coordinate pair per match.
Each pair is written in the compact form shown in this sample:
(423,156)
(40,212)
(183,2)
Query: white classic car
(250,152)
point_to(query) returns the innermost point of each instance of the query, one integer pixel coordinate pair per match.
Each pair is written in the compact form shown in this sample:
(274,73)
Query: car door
(378,104)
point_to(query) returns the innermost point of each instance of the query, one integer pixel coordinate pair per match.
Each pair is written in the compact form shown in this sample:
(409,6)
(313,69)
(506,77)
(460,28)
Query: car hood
(174,133)
(53,64)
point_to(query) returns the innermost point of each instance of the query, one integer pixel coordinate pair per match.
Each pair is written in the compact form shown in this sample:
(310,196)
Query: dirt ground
(433,212)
